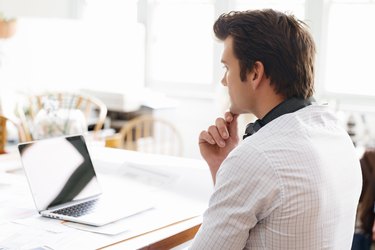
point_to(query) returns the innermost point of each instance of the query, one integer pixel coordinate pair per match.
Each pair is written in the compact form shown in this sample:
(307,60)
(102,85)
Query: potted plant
(7,26)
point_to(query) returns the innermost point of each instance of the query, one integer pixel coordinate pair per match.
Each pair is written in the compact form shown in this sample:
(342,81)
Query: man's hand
(218,141)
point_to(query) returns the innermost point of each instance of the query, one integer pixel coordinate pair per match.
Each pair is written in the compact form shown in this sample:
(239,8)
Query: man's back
(294,184)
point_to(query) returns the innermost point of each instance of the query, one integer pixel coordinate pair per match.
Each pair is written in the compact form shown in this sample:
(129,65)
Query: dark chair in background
(365,213)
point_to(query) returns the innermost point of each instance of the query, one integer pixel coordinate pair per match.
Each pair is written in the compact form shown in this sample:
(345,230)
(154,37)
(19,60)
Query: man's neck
(267,105)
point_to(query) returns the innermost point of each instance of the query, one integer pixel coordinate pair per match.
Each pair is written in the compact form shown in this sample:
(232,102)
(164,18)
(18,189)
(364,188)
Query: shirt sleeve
(247,190)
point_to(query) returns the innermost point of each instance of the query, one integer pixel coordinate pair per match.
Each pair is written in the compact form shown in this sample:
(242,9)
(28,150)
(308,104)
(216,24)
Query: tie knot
(251,128)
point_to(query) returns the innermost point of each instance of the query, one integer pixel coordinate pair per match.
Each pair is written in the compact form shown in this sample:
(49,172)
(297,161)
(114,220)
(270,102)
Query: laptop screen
(58,170)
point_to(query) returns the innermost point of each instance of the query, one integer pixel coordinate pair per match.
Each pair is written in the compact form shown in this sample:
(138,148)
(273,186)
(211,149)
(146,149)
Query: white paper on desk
(43,223)
(8,213)
(13,236)
(147,221)
(15,199)
(182,180)
(146,174)
(16,236)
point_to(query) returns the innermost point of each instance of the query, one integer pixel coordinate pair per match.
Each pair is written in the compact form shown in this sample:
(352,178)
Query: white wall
(62,53)
(56,53)
(42,8)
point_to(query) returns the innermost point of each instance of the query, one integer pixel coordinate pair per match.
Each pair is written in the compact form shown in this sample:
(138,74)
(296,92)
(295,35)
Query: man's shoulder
(293,126)
(245,159)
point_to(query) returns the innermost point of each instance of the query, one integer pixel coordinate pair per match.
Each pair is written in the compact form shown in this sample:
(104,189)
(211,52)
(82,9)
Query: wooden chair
(4,121)
(148,134)
(93,109)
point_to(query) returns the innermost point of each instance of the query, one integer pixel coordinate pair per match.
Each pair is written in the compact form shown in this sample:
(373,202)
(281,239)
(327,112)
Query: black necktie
(288,106)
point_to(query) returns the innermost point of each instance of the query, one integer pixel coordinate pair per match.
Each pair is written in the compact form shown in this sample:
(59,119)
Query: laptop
(64,184)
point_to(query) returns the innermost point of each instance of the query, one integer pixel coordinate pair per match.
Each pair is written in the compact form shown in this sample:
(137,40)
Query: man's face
(240,92)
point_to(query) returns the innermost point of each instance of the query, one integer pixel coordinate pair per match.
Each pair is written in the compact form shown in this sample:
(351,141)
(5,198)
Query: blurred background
(160,57)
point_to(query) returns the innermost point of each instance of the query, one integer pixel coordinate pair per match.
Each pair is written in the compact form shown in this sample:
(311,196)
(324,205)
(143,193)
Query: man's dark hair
(281,42)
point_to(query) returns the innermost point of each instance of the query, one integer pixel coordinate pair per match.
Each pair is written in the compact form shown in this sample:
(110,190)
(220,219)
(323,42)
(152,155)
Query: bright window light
(181,42)
(351,49)
(296,7)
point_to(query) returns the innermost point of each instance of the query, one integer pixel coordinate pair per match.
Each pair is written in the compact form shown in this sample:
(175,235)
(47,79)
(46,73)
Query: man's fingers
(233,127)
(212,137)
(221,131)
(214,132)
(231,122)
(228,116)
(206,137)
(222,128)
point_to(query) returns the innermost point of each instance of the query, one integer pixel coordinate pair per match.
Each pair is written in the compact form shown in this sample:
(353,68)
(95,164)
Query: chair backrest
(93,109)
(4,121)
(150,135)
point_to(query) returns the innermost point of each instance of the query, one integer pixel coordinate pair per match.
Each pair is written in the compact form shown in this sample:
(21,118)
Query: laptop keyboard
(79,209)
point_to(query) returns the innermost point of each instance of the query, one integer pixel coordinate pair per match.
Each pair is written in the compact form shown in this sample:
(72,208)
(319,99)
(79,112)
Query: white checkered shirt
(294,184)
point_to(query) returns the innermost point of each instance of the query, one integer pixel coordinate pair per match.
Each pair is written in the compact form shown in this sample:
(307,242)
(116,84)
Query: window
(179,44)
(181,53)
(350,53)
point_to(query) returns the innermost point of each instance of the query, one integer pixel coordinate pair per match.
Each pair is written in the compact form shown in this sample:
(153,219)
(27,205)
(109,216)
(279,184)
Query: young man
(294,181)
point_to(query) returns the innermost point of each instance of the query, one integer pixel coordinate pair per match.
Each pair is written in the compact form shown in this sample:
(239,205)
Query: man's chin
(235,111)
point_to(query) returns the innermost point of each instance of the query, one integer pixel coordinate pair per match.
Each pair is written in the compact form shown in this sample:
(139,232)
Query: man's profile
(294,181)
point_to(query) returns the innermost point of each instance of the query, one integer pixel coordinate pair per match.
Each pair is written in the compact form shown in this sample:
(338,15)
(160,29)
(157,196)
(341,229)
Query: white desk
(175,181)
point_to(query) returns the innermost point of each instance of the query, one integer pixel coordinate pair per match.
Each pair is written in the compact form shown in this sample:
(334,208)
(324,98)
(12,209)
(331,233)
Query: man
(294,181)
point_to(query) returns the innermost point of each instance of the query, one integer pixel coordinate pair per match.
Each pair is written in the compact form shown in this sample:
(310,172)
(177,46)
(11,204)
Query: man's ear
(256,74)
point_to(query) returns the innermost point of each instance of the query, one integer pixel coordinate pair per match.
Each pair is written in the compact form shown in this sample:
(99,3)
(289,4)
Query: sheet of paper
(16,236)
(137,224)
(42,223)
(15,198)
(164,214)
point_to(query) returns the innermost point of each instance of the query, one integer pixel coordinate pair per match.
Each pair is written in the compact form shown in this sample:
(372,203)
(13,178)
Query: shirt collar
(288,106)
